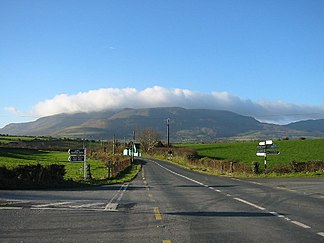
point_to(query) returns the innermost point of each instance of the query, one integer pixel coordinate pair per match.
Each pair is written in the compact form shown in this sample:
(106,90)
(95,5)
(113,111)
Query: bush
(186,153)
(32,176)
(256,167)
(299,167)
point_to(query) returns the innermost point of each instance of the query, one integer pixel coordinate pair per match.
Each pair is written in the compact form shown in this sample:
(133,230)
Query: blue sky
(263,58)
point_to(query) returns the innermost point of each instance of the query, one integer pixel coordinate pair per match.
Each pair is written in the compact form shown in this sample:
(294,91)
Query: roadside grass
(125,176)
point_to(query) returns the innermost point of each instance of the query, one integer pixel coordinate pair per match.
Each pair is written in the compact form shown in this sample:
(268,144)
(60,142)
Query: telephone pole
(114,144)
(168,132)
(132,148)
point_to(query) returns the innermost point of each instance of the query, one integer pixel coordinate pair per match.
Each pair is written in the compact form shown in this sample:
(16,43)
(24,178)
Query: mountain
(186,125)
(308,125)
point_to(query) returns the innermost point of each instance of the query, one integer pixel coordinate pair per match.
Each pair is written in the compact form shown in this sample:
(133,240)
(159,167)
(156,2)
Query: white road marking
(112,206)
(71,209)
(254,182)
(277,214)
(249,203)
(197,182)
(280,216)
(51,204)
(285,189)
(86,205)
(301,224)
(321,233)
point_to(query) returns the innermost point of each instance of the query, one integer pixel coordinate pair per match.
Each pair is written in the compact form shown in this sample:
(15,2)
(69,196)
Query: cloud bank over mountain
(116,98)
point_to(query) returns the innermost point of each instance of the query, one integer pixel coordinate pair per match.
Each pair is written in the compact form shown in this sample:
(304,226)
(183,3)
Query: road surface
(166,203)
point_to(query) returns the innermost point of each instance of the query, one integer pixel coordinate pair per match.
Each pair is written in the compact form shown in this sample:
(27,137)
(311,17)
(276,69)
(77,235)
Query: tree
(148,138)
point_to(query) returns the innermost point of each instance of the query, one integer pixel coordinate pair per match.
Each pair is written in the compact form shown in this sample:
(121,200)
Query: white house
(136,150)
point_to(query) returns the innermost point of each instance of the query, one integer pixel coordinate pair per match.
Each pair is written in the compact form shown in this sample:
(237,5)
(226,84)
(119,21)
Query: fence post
(109,169)
(231,167)
(89,172)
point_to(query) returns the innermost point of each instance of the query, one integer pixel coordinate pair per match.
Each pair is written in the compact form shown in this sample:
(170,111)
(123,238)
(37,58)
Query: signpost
(263,150)
(272,152)
(79,155)
(261,154)
(76,158)
(77,151)
(268,146)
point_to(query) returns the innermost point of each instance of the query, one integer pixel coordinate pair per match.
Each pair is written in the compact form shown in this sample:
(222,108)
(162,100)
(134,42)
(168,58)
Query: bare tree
(148,138)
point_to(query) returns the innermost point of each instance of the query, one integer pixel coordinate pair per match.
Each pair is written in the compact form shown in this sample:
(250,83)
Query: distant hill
(186,125)
(309,125)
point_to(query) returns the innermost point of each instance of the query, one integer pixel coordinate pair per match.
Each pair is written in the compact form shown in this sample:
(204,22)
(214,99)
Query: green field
(8,139)
(245,152)
(12,157)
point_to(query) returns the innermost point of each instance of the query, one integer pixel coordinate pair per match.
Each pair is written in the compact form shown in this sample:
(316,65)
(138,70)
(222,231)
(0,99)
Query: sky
(261,58)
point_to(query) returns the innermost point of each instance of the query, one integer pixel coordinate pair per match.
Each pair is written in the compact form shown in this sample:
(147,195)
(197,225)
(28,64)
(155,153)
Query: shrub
(255,167)
(32,176)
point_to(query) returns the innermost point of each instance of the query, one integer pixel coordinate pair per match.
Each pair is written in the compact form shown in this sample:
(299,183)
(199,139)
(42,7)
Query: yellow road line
(321,196)
(166,241)
(157,214)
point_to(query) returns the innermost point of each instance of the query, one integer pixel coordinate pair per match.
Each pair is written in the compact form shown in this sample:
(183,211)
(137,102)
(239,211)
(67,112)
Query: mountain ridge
(188,125)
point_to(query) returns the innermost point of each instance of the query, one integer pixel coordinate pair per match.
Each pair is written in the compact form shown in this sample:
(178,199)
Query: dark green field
(245,152)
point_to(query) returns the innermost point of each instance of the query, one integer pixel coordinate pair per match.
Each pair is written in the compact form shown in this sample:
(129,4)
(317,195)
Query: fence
(114,168)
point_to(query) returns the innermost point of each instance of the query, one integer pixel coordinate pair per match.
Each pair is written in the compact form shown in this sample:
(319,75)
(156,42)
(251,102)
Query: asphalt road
(166,203)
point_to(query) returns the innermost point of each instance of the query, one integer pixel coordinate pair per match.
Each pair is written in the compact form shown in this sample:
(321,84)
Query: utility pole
(168,132)
(114,144)
(132,148)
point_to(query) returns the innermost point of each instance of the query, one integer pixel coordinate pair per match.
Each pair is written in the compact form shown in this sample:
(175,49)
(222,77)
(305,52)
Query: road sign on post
(268,142)
(272,152)
(79,155)
(76,158)
(77,151)
(263,152)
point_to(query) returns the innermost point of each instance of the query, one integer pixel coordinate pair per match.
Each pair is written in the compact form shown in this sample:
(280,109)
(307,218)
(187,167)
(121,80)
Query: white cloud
(114,98)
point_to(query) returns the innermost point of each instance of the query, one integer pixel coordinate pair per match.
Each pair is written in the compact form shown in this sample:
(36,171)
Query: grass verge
(125,176)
